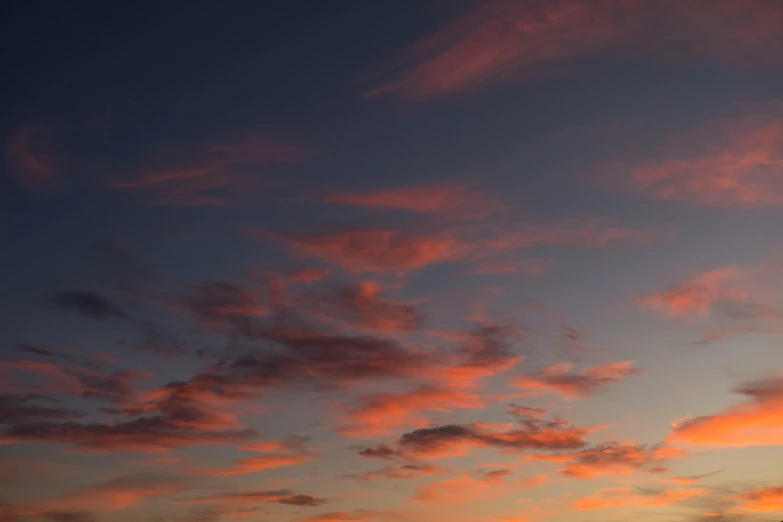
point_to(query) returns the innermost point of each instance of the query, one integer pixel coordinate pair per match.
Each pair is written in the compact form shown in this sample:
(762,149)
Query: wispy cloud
(559,379)
(614,498)
(502,41)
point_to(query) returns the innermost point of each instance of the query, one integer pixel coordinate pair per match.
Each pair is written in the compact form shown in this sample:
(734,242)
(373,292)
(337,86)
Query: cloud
(143,434)
(341,516)
(219,303)
(762,500)
(614,498)
(588,382)
(88,303)
(210,174)
(404,471)
(452,491)
(115,495)
(380,413)
(454,201)
(281,496)
(498,42)
(273,454)
(485,351)
(753,422)
(612,458)
(29,157)
(362,306)
(367,249)
(699,294)
(380,250)
(457,439)
(21,408)
(741,167)
(465,488)
(40,350)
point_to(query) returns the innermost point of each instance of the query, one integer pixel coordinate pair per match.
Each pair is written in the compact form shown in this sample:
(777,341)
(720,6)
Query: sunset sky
(392,261)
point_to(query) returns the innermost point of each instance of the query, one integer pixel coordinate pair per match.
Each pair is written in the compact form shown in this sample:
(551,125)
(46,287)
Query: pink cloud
(501,41)
(30,159)
(559,379)
(456,201)
(742,167)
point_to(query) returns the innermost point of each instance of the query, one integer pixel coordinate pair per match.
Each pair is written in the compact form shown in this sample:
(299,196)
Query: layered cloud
(531,433)
(612,458)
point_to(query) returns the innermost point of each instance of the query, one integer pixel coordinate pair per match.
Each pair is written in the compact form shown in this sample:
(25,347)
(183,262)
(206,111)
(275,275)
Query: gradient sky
(392,261)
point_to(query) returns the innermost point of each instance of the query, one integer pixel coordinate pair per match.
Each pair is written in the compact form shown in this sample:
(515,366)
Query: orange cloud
(29,158)
(612,458)
(115,495)
(763,500)
(614,498)
(588,382)
(465,488)
(758,421)
(382,412)
(457,201)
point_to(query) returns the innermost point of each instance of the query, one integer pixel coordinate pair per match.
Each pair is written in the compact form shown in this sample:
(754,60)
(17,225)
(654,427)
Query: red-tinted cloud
(700,293)
(614,498)
(742,167)
(271,454)
(612,458)
(379,413)
(210,175)
(455,201)
(390,250)
(29,157)
(588,382)
(758,421)
(457,439)
(364,307)
(502,41)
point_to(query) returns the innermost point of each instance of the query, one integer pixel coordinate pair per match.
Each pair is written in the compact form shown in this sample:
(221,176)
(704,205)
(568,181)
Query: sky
(391,261)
